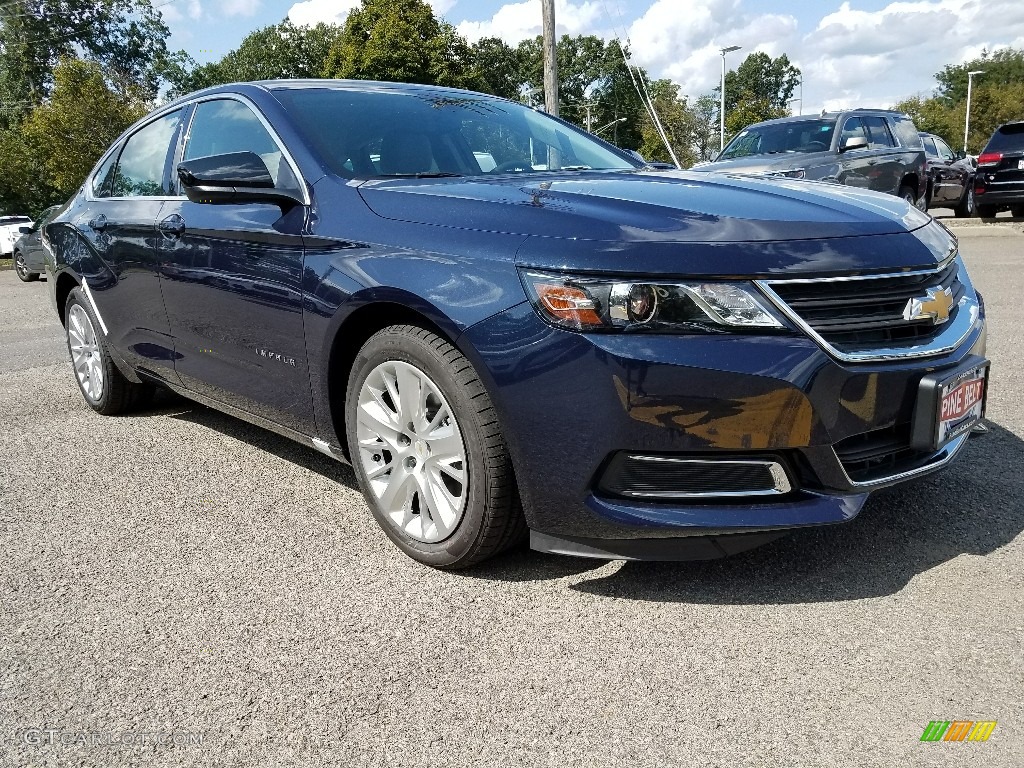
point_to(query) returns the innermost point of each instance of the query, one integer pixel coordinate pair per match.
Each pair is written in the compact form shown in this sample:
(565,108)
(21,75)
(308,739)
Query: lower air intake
(672,477)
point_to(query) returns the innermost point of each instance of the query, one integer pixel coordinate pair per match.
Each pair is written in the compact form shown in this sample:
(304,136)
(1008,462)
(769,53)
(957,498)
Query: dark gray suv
(867,148)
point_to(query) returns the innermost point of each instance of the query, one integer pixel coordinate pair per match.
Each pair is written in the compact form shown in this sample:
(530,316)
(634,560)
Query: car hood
(767,163)
(644,206)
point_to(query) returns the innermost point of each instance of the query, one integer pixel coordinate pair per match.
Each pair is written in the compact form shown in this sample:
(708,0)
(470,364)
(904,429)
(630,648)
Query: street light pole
(967,121)
(728,49)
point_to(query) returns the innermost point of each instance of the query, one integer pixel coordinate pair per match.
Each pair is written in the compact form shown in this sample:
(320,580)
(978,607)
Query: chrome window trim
(122,140)
(952,336)
(945,455)
(777,471)
(303,188)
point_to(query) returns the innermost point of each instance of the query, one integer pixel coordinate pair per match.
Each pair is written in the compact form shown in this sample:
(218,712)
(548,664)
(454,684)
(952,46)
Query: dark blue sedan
(507,325)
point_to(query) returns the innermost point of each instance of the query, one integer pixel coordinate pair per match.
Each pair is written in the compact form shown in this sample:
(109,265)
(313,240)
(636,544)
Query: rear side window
(140,169)
(906,132)
(929,147)
(104,176)
(878,132)
(944,151)
(1007,138)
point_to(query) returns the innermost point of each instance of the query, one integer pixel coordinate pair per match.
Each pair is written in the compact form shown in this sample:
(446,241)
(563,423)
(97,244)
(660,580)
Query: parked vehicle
(950,177)
(866,148)
(9,232)
(631,363)
(1000,181)
(29,255)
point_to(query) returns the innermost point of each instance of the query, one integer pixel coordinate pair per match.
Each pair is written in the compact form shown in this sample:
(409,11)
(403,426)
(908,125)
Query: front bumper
(570,402)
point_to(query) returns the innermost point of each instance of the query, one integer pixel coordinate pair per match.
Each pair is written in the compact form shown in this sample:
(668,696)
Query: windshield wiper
(438,175)
(575,168)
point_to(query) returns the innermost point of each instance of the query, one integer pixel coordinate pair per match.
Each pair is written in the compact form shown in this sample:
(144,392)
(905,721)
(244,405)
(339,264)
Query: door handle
(172,226)
(99,223)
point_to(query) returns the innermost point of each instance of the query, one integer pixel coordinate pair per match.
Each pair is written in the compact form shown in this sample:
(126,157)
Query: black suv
(1000,180)
(867,148)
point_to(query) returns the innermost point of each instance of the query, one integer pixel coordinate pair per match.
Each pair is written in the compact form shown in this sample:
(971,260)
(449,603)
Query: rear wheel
(985,211)
(427,449)
(22,268)
(965,207)
(103,386)
(907,193)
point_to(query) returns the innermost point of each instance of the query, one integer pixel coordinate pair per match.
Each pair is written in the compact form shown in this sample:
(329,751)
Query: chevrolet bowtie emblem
(935,306)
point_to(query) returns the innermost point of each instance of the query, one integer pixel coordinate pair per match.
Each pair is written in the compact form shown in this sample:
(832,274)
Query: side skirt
(307,440)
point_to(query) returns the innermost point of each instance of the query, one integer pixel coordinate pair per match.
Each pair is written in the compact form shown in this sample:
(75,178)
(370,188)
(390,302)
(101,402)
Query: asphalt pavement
(178,588)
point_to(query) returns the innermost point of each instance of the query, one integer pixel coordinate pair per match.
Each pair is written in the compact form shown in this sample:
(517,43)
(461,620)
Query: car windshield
(422,133)
(777,138)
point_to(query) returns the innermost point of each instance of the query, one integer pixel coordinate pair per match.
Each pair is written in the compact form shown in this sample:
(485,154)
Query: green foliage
(996,98)
(126,37)
(45,158)
(400,41)
(765,81)
(279,51)
(497,67)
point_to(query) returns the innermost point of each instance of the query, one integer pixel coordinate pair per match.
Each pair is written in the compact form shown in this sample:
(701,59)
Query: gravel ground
(177,575)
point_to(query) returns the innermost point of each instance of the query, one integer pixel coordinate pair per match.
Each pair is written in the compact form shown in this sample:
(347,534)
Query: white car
(10,231)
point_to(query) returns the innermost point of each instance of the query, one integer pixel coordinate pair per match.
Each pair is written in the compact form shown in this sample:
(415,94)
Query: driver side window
(225,126)
(852,129)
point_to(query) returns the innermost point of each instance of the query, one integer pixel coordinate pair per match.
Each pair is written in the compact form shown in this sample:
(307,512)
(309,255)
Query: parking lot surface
(178,588)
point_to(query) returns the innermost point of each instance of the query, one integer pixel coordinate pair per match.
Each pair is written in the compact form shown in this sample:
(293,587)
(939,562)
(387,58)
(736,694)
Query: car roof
(827,116)
(15,217)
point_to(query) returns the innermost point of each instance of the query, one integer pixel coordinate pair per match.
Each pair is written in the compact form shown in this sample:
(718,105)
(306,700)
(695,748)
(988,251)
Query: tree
(126,37)
(762,86)
(497,67)
(996,98)
(44,160)
(676,118)
(279,51)
(401,41)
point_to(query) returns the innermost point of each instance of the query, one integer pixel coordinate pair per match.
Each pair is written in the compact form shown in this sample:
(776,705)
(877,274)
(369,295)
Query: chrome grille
(862,317)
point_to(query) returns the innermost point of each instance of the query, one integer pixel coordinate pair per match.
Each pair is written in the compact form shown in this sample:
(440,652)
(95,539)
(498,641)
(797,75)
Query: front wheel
(426,447)
(907,193)
(103,386)
(22,268)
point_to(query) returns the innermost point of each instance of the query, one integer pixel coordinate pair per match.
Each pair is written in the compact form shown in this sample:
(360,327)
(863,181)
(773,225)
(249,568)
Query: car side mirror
(960,154)
(26,230)
(854,142)
(714,155)
(237,177)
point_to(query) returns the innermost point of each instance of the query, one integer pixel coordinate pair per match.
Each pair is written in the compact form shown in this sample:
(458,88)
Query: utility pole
(550,60)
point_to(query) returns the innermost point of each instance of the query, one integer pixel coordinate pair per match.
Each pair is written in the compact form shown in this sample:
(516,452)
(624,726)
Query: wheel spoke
(377,420)
(447,447)
(397,484)
(438,501)
(409,393)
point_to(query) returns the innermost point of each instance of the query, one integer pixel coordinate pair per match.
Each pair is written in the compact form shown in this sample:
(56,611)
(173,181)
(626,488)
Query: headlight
(595,304)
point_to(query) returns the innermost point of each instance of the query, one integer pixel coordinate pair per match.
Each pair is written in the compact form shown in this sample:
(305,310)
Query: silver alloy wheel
(20,265)
(411,449)
(85,352)
(970,199)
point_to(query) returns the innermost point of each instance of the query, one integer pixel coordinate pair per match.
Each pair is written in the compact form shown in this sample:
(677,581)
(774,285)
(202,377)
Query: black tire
(492,520)
(985,211)
(1017,211)
(21,268)
(965,207)
(907,193)
(116,393)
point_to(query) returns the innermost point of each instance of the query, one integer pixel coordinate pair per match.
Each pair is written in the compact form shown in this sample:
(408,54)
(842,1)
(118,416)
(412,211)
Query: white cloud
(311,12)
(174,13)
(239,7)
(519,21)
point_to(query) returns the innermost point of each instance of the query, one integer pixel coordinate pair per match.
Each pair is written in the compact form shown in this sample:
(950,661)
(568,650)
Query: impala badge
(935,306)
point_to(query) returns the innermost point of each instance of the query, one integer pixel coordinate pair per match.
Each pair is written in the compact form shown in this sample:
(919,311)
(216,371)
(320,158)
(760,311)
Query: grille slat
(866,313)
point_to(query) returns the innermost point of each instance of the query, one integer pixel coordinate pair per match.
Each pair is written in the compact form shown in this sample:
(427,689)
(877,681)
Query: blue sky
(854,53)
